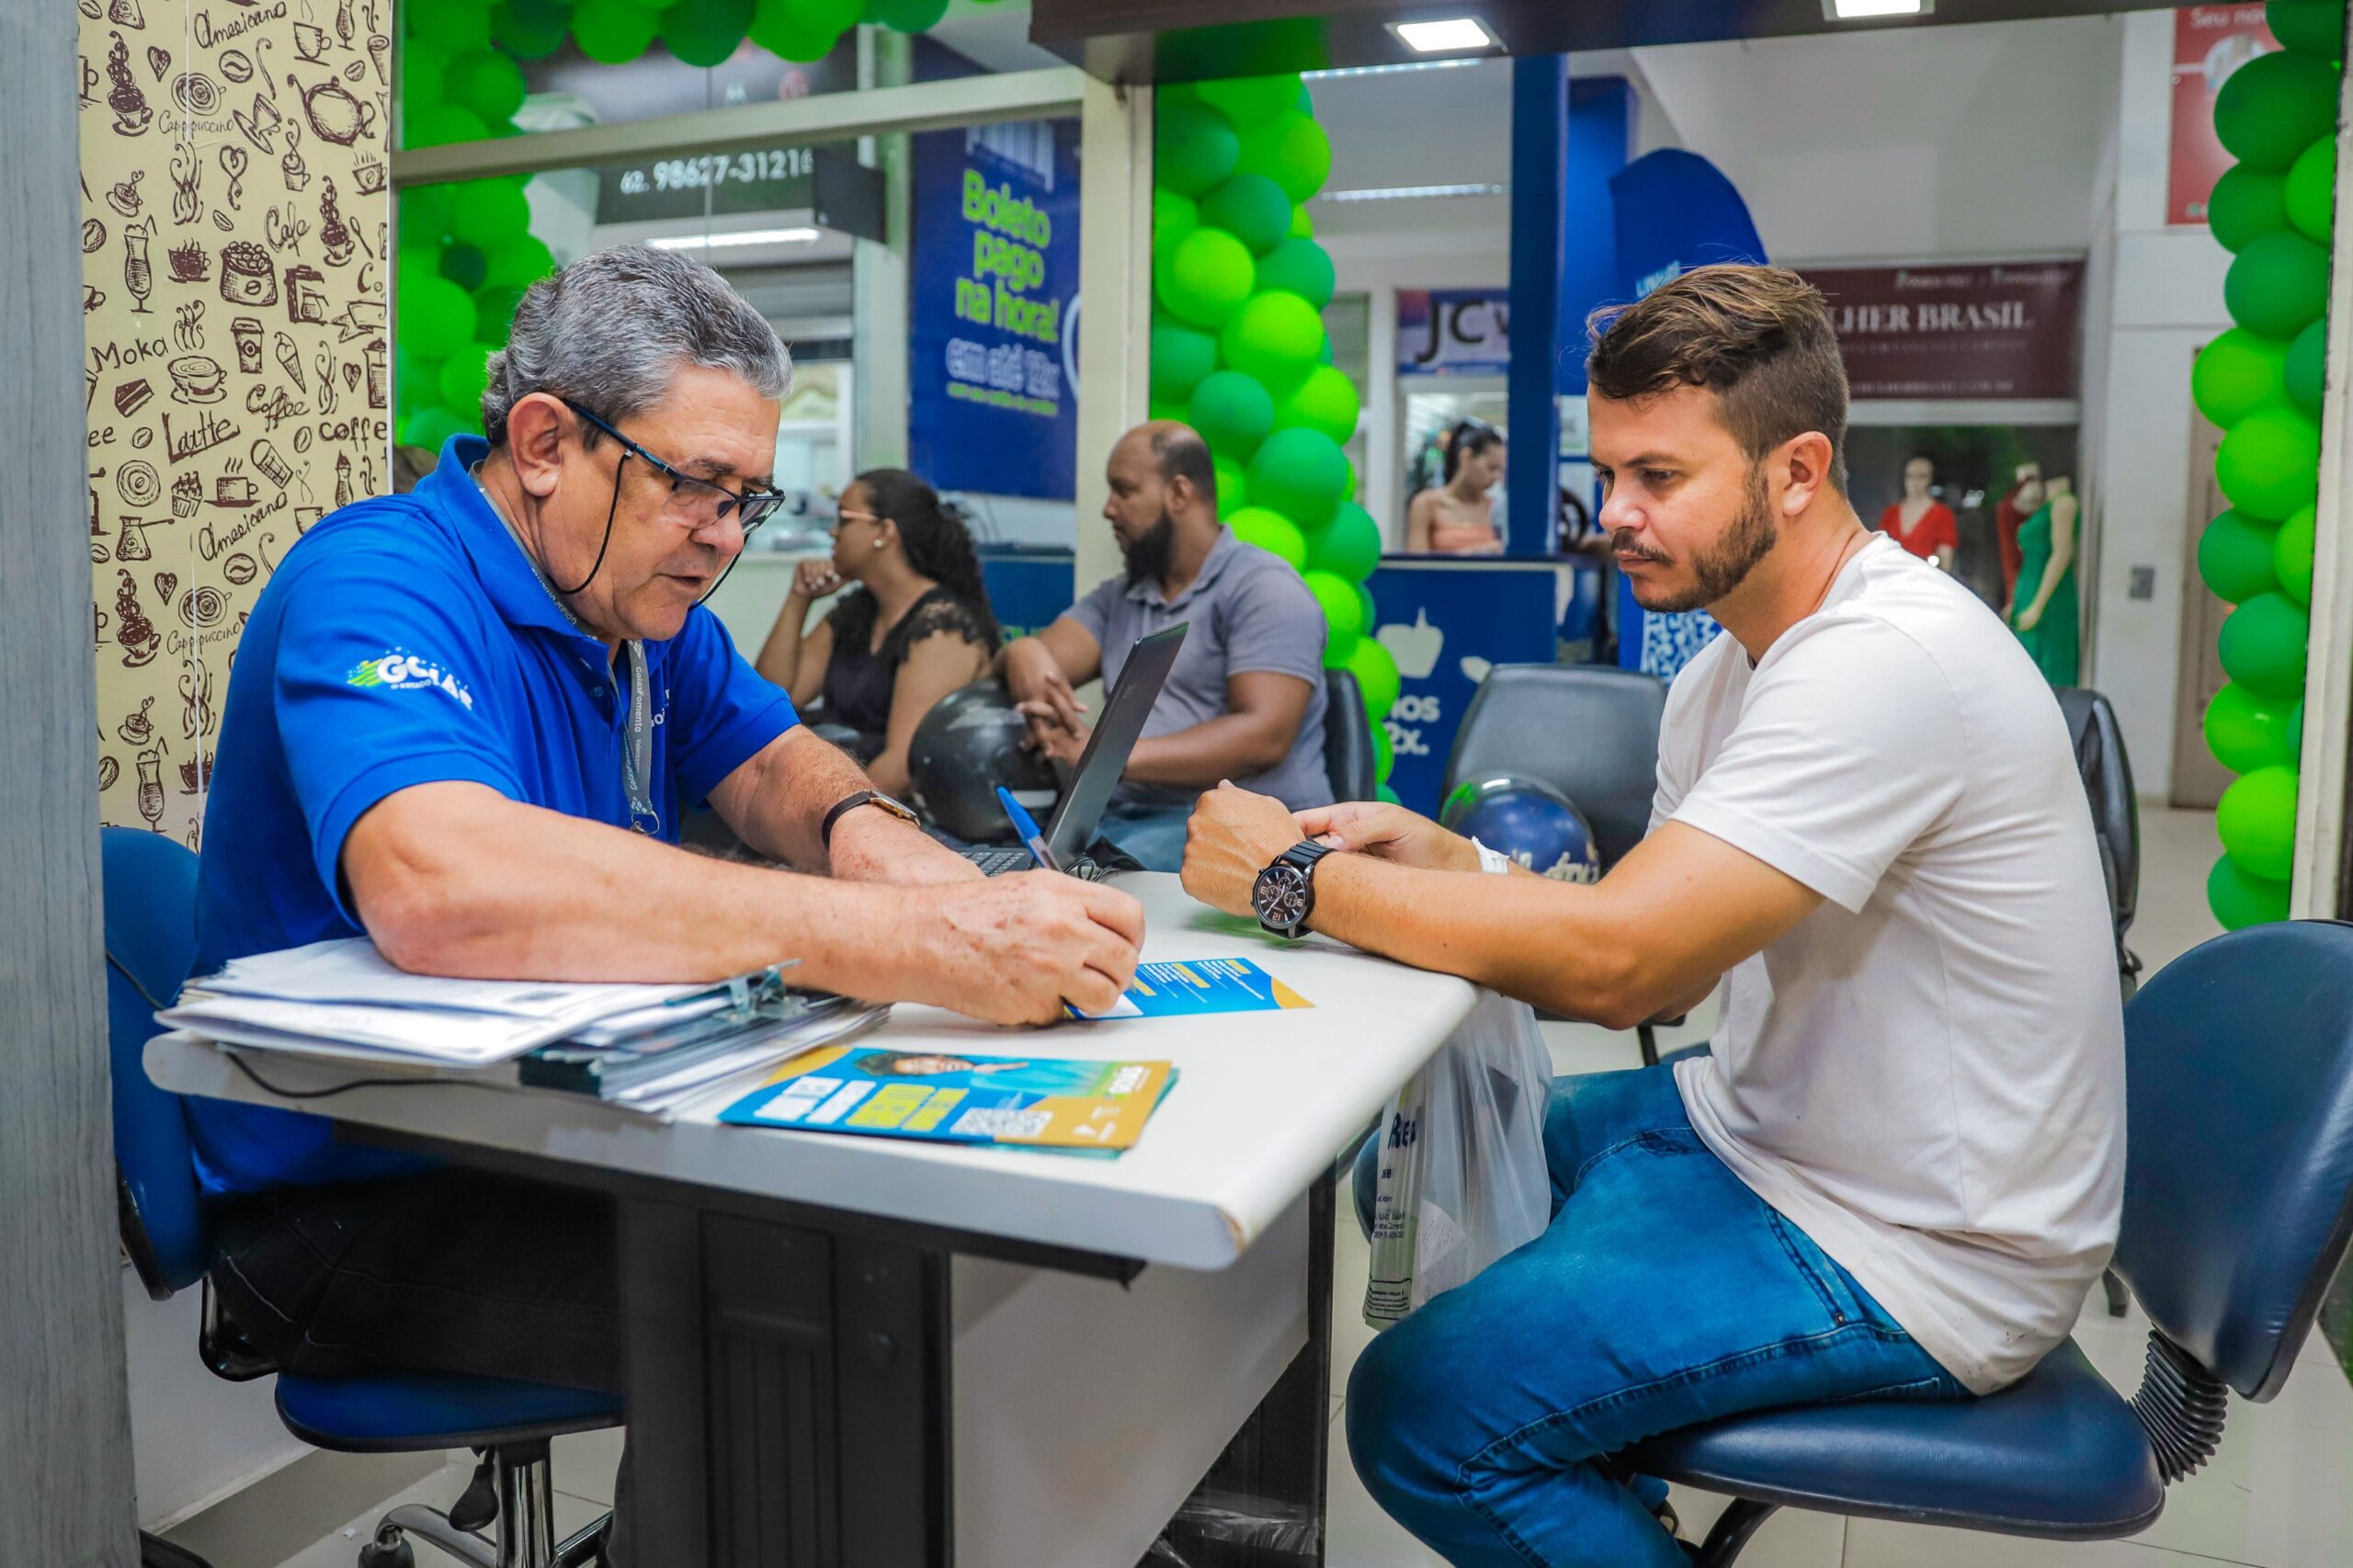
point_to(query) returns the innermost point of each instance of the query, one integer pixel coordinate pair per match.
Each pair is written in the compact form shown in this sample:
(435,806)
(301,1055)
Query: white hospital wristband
(1493,862)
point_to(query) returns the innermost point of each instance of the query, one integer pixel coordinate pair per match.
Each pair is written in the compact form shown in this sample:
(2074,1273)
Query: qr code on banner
(1002,1124)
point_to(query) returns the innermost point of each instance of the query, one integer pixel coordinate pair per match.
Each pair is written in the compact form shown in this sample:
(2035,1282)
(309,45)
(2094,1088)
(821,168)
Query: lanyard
(637,756)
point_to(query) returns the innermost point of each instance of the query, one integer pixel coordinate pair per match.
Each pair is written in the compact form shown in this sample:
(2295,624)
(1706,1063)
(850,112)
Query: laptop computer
(1070,830)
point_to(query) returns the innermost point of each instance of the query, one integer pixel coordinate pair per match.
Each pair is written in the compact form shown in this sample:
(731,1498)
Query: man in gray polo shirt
(1246,699)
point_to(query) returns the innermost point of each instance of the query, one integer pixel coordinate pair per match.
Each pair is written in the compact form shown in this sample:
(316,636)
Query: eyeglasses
(842,518)
(697,501)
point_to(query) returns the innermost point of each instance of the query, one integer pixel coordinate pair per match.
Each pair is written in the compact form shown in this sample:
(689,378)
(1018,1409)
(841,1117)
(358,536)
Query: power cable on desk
(241,1065)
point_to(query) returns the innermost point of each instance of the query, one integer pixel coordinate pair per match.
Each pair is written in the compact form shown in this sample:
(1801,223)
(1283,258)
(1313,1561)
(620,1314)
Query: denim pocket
(1814,1266)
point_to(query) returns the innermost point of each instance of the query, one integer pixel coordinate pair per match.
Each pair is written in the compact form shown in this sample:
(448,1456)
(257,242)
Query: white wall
(2165,302)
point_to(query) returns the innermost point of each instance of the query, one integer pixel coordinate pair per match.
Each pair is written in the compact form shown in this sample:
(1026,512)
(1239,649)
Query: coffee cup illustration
(311,42)
(247,332)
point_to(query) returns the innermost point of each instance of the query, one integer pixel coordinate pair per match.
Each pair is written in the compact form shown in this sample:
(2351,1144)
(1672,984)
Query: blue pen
(1027,826)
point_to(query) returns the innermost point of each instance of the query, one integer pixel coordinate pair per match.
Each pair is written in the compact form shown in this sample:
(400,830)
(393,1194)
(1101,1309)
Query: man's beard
(1723,566)
(1148,557)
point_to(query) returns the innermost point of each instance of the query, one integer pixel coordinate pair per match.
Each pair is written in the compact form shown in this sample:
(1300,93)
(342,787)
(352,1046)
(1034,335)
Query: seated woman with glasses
(916,627)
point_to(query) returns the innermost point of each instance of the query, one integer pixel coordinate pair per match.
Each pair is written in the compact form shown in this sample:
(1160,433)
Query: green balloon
(2270,462)
(487,82)
(1324,401)
(1347,547)
(2279,282)
(1376,672)
(1194,148)
(2235,557)
(2271,107)
(2308,27)
(1371,615)
(1233,414)
(434,316)
(1292,151)
(1384,750)
(1206,276)
(705,32)
(463,265)
(1233,485)
(1270,531)
(2262,646)
(2291,555)
(2307,369)
(1339,596)
(466,375)
(790,29)
(424,213)
(1172,217)
(1161,410)
(1337,652)
(1181,357)
(438,125)
(1300,473)
(2246,202)
(1302,227)
(1252,100)
(907,16)
(421,71)
(613,33)
(432,427)
(489,213)
(1275,337)
(1301,268)
(2310,193)
(2239,901)
(531,29)
(494,309)
(1383,792)
(520,262)
(1253,209)
(2246,731)
(449,30)
(2256,820)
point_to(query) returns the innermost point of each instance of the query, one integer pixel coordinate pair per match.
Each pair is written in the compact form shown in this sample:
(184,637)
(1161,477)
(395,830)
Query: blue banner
(993,310)
(1447,626)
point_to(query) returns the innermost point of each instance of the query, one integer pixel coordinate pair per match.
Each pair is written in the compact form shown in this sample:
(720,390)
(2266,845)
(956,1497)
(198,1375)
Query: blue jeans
(1154,834)
(1663,1294)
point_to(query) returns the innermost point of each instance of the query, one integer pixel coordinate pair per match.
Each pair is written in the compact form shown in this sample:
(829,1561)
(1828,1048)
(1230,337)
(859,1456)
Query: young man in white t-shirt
(1900,1169)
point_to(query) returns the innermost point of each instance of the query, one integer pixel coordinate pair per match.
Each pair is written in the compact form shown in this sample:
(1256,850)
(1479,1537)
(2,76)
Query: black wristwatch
(864,798)
(1284,894)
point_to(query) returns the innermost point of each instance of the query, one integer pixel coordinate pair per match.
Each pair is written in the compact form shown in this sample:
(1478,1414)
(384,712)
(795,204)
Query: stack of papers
(644,1045)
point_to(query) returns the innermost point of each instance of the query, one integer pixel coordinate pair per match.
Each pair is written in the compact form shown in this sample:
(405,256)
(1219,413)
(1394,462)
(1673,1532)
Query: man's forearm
(1231,746)
(1555,944)
(778,805)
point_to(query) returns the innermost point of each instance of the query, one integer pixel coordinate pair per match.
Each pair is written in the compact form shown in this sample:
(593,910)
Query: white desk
(809,1251)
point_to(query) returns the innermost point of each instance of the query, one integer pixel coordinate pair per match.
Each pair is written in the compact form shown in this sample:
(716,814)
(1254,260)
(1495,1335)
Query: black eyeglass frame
(756,506)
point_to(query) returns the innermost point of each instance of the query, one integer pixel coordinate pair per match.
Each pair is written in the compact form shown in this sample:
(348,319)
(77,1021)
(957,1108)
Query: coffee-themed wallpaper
(235,215)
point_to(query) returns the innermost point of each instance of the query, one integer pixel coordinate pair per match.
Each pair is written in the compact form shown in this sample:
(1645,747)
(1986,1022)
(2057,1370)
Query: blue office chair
(150,887)
(2238,1208)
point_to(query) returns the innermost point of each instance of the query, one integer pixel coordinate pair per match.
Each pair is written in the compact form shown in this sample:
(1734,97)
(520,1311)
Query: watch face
(1280,896)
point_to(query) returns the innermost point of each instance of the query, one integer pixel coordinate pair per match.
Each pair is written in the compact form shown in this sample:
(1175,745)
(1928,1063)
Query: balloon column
(2261,382)
(466,252)
(1239,350)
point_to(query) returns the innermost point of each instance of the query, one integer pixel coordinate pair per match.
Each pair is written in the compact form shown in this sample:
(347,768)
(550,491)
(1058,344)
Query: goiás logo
(402,671)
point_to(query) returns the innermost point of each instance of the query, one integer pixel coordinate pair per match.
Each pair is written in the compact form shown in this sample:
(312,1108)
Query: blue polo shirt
(406,640)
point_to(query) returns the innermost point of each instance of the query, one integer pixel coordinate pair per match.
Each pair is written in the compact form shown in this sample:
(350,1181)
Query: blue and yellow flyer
(941,1098)
(1191,987)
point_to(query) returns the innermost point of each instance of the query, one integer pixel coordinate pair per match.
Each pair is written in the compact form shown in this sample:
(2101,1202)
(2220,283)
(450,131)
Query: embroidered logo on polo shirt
(399,671)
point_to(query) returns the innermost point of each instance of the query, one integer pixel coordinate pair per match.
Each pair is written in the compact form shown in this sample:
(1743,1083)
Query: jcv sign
(1453,331)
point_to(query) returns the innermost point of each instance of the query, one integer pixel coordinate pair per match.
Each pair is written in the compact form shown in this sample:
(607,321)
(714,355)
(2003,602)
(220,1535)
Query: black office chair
(1349,761)
(2238,1209)
(1590,733)
(2107,771)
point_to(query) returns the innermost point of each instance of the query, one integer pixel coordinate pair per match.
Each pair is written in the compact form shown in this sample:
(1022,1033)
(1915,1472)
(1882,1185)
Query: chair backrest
(1589,732)
(2238,1193)
(149,883)
(1348,738)
(2107,780)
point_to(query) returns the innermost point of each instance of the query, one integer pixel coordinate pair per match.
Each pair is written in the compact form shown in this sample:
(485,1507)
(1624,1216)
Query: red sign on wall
(1979,330)
(2208,44)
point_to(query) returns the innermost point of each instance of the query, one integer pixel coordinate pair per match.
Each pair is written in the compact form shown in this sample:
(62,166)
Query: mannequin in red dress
(1921,523)
(2025,497)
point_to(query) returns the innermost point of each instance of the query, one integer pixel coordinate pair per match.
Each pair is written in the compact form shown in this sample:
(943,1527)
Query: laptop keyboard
(1000,862)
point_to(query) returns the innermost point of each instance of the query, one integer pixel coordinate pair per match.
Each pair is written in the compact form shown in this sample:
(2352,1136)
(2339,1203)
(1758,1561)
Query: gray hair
(612,329)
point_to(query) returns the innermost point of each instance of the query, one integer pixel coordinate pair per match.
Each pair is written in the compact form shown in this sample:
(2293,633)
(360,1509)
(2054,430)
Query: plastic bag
(1461,1166)
(1215,1528)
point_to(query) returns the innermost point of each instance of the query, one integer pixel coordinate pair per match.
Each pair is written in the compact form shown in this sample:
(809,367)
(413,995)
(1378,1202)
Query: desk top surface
(1263,1104)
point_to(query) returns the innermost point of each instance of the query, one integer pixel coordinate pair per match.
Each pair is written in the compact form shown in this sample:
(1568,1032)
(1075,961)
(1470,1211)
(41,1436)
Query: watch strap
(850,802)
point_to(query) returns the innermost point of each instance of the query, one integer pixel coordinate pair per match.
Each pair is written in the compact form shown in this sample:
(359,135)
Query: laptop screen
(1106,757)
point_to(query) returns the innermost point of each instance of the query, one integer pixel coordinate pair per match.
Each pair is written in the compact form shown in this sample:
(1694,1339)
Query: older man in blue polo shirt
(465,722)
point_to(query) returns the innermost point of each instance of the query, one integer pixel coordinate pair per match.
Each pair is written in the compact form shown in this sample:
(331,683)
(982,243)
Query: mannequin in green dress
(2044,612)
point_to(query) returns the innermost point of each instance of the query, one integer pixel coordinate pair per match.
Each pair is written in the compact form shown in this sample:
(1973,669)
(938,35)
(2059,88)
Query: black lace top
(859,677)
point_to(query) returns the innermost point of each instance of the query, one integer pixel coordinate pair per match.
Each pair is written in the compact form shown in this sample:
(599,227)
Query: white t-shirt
(1927,1075)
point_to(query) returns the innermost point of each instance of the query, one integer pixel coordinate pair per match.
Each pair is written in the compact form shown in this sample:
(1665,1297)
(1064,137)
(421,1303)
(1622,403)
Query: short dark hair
(1759,337)
(1183,454)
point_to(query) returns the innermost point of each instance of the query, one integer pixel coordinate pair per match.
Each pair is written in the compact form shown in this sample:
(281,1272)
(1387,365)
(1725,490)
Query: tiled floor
(2276,1495)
